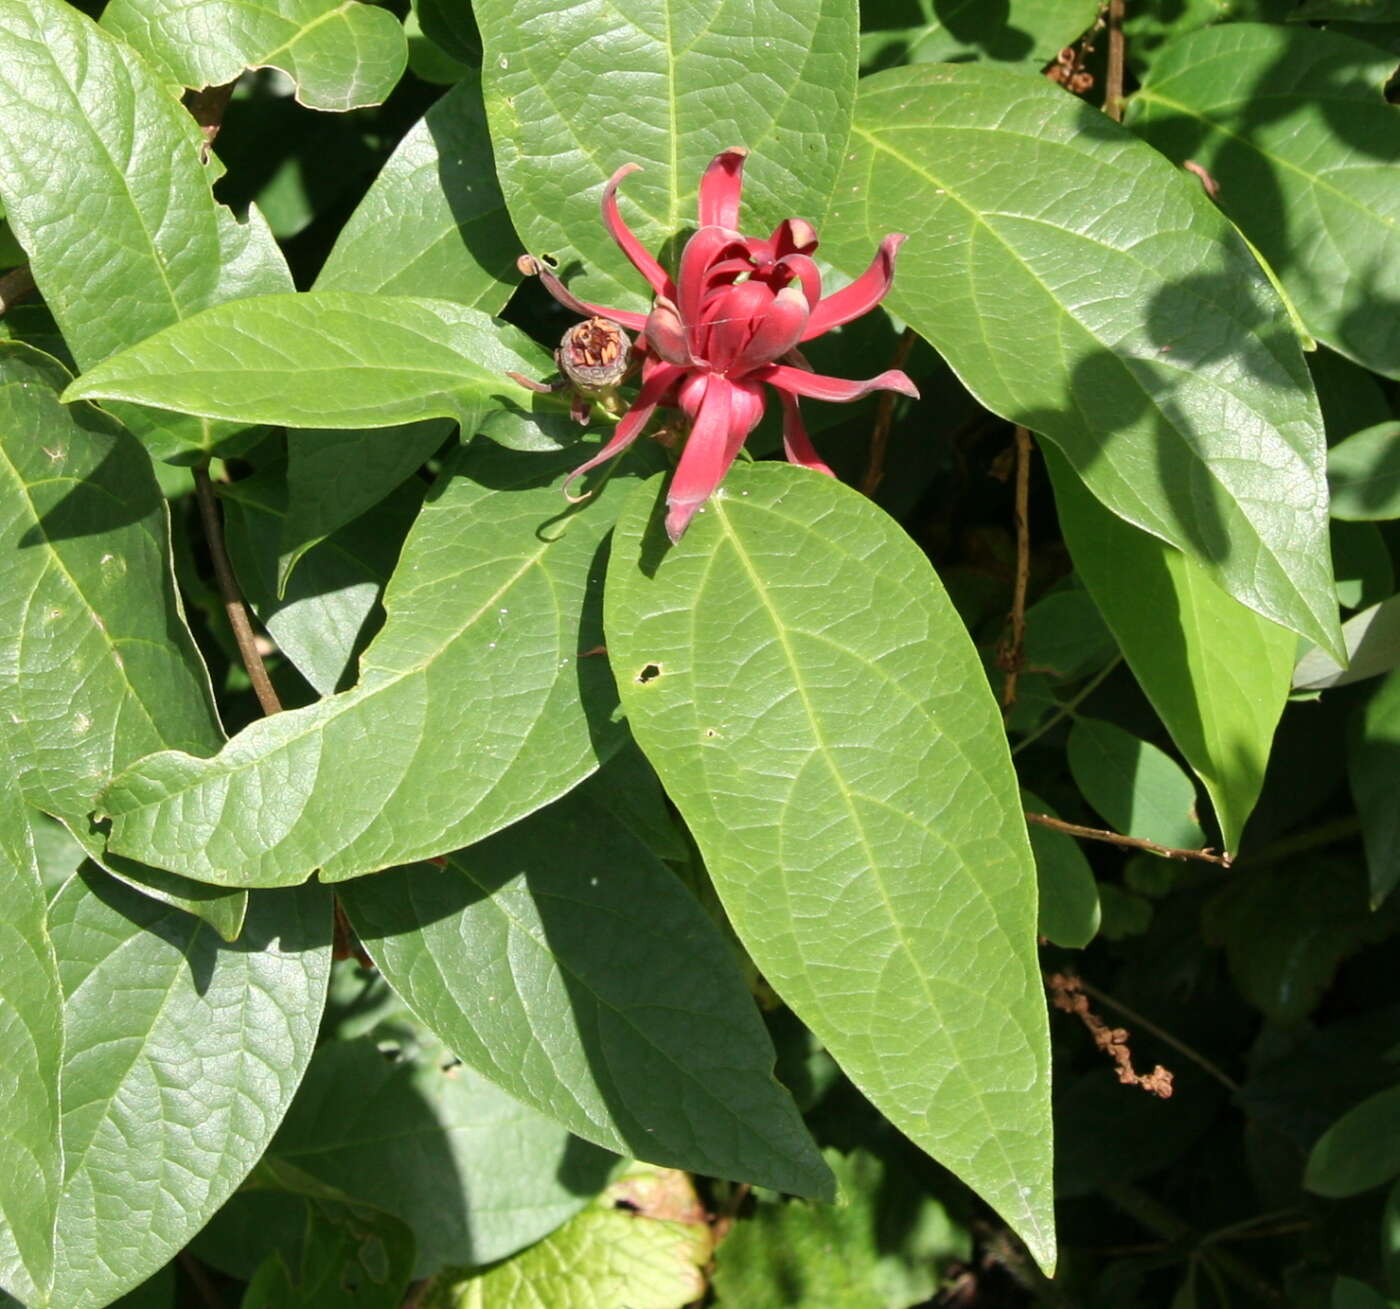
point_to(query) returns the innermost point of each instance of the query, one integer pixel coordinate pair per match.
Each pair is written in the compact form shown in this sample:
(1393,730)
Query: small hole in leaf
(626,1205)
(710,733)
(649,674)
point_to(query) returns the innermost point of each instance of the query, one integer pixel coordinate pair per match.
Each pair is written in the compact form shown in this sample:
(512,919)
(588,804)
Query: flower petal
(556,288)
(804,269)
(821,387)
(720,188)
(775,333)
(796,443)
(727,415)
(659,380)
(666,332)
(641,257)
(862,295)
(708,246)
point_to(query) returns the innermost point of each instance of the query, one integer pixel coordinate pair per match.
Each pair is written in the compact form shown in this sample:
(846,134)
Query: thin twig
(1014,651)
(1066,710)
(1165,1037)
(884,417)
(1113,76)
(1132,842)
(194,1270)
(14,286)
(228,588)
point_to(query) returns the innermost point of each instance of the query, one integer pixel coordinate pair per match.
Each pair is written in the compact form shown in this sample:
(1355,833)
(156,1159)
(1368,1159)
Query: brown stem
(1165,1037)
(1131,842)
(234,607)
(884,417)
(1013,651)
(14,286)
(1113,77)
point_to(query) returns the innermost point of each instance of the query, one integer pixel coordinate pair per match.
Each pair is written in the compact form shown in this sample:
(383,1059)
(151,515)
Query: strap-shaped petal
(556,288)
(658,382)
(862,295)
(720,189)
(727,415)
(642,258)
(821,387)
(796,443)
(775,333)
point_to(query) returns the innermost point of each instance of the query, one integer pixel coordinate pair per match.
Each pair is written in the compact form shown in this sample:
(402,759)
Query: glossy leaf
(1363,472)
(341,54)
(1015,31)
(1217,673)
(1068,905)
(816,711)
(170,1096)
(524,955)
(774,77)
(881,1249)
(122,214)
(1373,647)
(606,1256)
(1360,1150)
(472,710)
(433,223)
(1137,788)
(84,548)
(326,359)
(319,621)
(31,1035)
(1293,125)
(1079,285)
(475,1175)
(1373,764)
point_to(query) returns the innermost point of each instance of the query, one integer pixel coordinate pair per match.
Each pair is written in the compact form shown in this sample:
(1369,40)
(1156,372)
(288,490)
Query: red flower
(732,324)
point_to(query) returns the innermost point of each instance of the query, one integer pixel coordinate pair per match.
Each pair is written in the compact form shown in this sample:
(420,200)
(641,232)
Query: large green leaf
(1217,673)
(342,54)
(816,710)
(1360,1150)
(170,1096)
(122,232)
(1013,31)
(474,1174)
(335,359)
(97,667)
(473,708)
(1080,285)
(31,1036)
(573,94)
(563,962)
(1293,125)
(1373,764)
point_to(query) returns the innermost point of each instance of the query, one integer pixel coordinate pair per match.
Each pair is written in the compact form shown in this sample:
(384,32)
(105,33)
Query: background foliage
(549,915)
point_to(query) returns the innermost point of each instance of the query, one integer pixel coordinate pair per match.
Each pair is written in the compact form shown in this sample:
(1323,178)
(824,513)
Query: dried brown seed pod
(594,355)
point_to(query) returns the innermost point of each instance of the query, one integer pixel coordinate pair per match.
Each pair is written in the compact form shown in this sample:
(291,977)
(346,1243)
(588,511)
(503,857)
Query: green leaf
(340,53)
(319,620)
(122,215)
(352,1256)
(1373,765)
(170,1096)
(1349,1293)
(1358,11)
(1363,473)
(474,1175)
(434,222)
(1082,287)
(1216,673)
(837,754)
(1137,788)
(1361,1150)
(605,1256)
(1014,31)
(31,1035)
(1372,640)
(524,955)
(694,80)
(329,359)
(880,1249)
(472,710)
(1307,174)
(1068,894)
(98,669)
(1066,637)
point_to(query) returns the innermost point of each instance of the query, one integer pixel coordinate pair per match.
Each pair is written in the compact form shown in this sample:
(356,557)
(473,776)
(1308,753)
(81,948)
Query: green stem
(1067,709)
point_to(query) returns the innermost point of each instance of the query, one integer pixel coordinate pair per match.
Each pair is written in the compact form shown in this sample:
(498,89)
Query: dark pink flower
(728,325)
